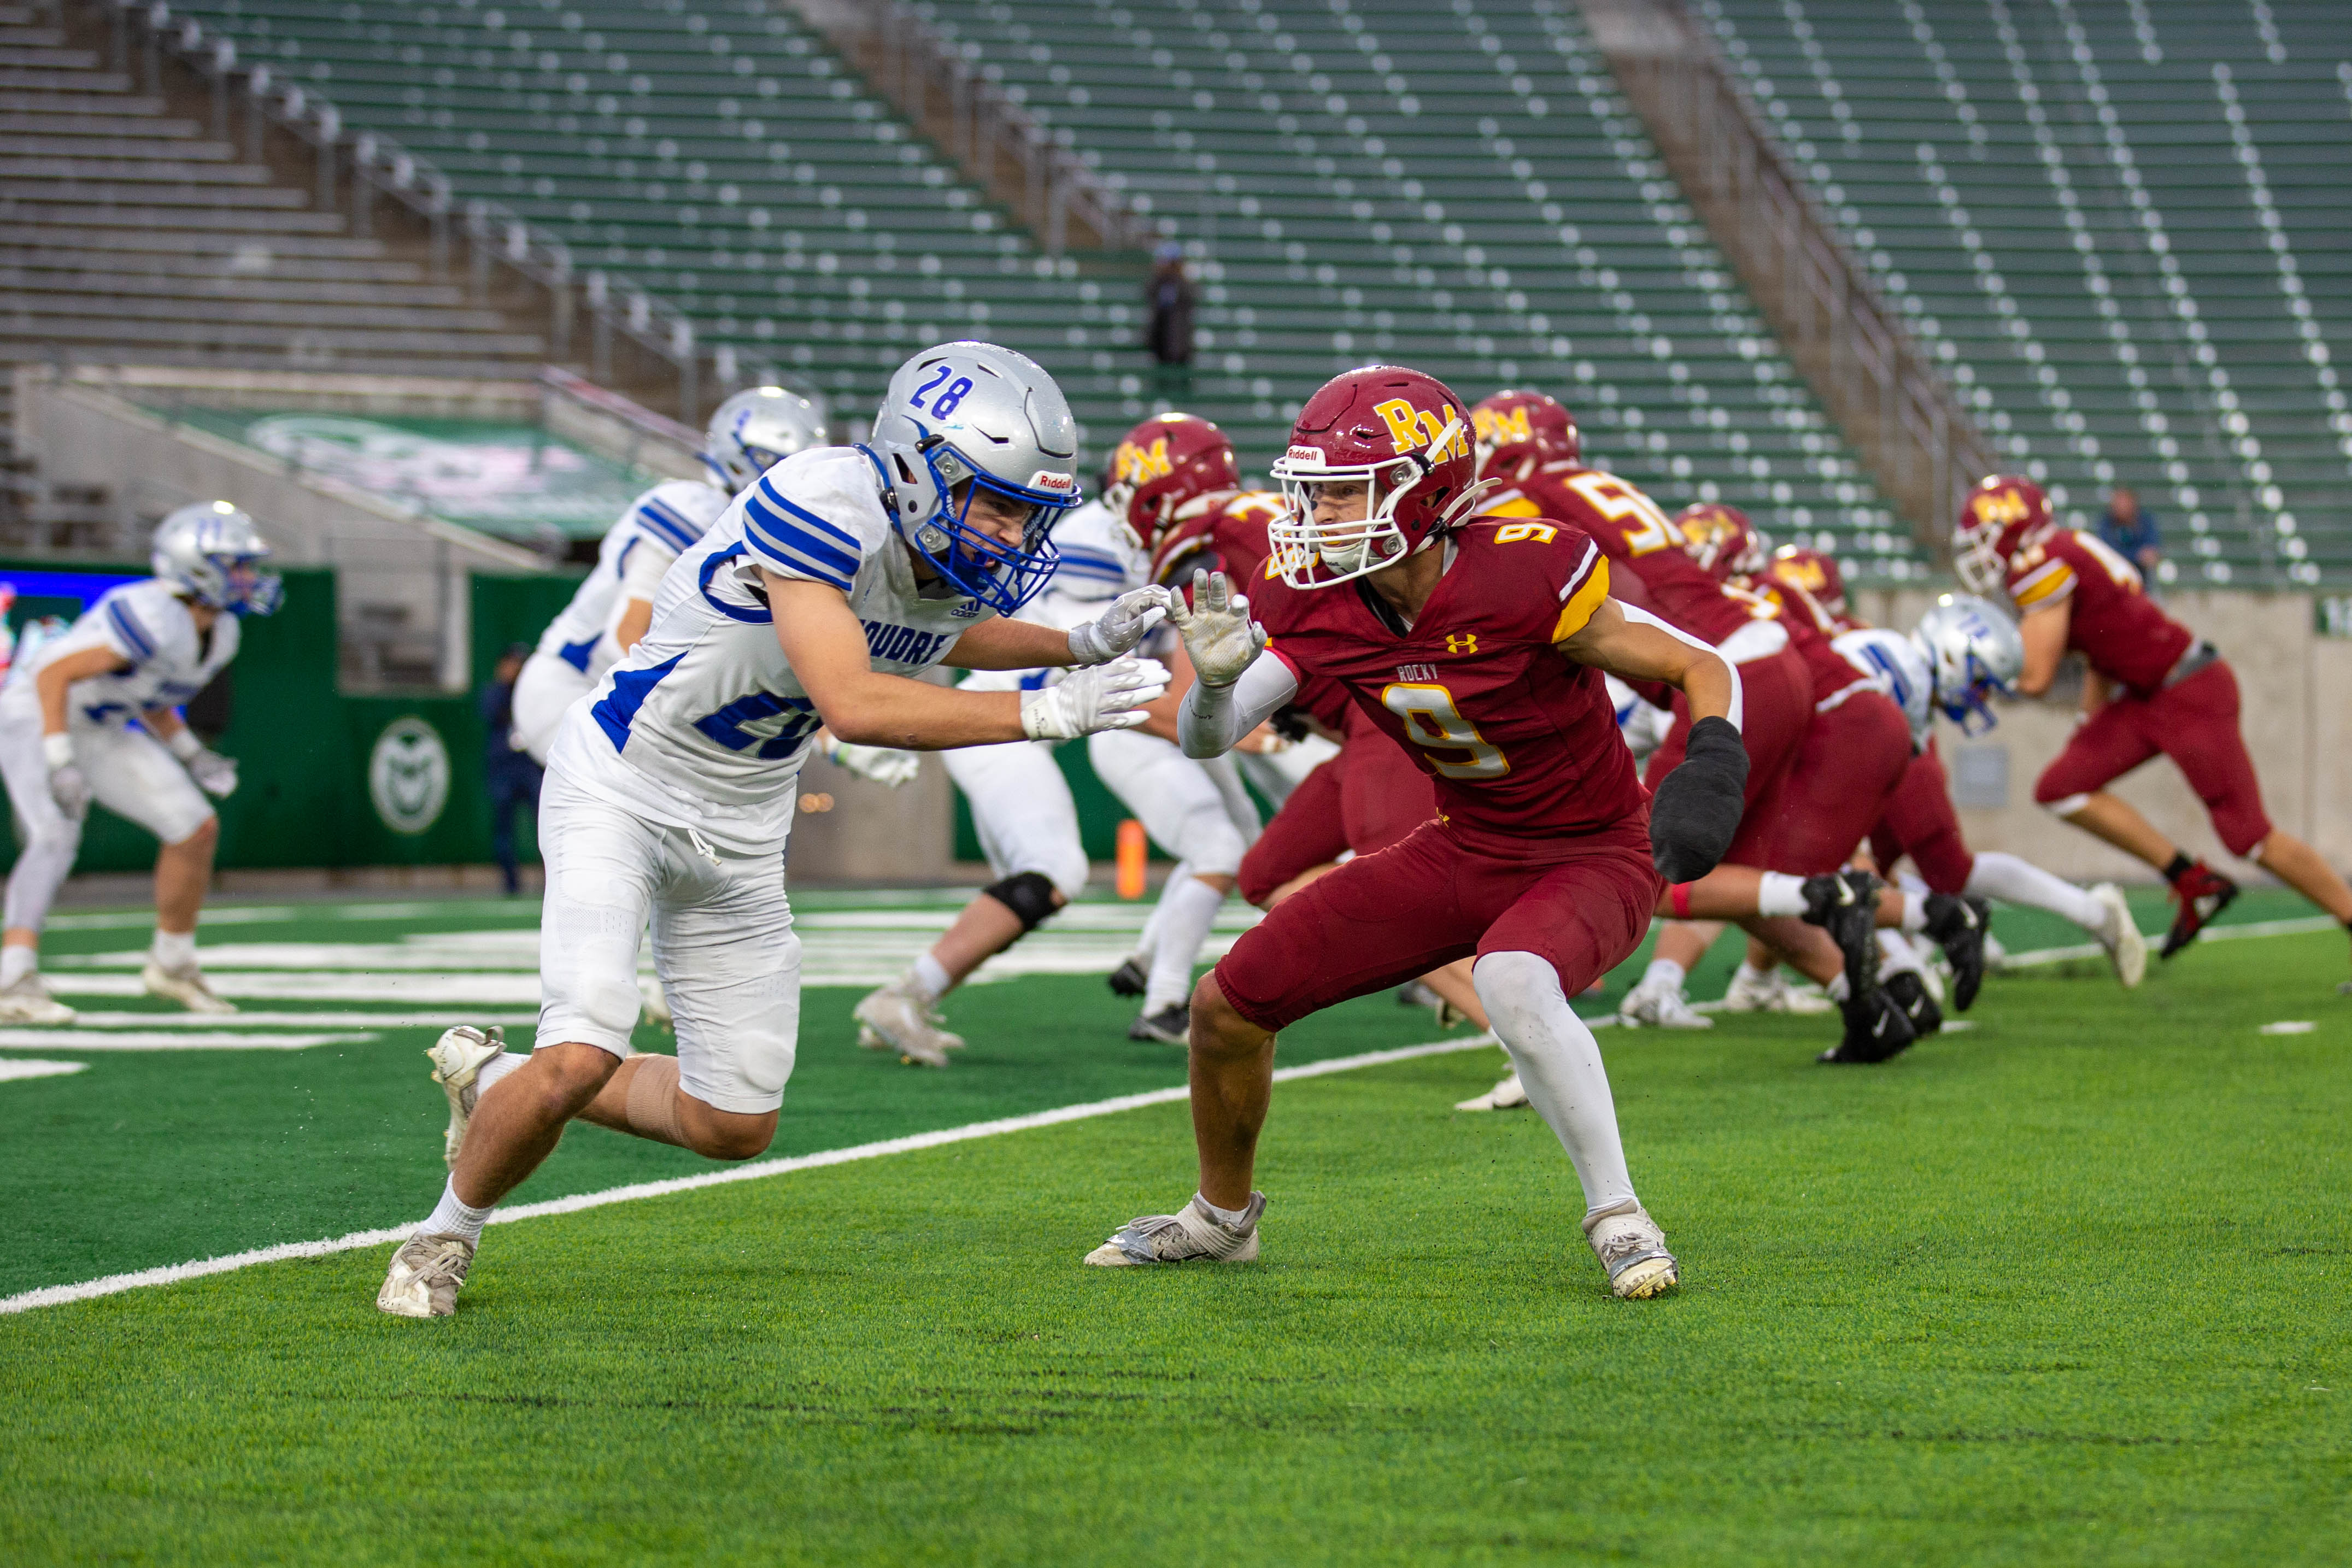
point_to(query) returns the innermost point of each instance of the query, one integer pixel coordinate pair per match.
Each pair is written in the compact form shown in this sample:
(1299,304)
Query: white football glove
(1219,635)
(1120,628)
(215,775)
(1107,696)
(68,787)
(882,764)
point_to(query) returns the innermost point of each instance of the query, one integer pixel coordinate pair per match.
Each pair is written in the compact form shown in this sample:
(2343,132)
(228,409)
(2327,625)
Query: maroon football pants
(1919,821)
(2196,725)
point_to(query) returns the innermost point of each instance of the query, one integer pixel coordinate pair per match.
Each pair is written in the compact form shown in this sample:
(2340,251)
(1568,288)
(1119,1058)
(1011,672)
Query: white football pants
(1181,802)
(543,693)
(1021,810)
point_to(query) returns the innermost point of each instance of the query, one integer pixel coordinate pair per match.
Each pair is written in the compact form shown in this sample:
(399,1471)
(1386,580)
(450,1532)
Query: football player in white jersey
(92,715)
(839,574)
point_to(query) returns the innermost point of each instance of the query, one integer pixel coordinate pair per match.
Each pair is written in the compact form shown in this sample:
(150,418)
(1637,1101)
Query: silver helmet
(981,416)
(208,552)
(757,428)
(1974,652)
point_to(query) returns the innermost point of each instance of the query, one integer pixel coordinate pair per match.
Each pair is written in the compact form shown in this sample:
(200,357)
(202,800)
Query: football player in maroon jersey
(1477,643)
(2154,686)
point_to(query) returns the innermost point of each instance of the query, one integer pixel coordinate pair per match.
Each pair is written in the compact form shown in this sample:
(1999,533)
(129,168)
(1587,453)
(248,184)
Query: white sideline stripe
(67,1038)
(341,1018)
(172,1274)
(2300,926)
(35,1068)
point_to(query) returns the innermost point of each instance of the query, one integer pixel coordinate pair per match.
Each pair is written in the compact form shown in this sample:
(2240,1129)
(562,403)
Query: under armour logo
(1466,643)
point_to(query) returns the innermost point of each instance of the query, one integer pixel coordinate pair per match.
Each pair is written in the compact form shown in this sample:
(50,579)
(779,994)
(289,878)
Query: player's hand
(1107,696)
(70,790)
(1219,635)
(1119,628)
(882,764)
(215,775)
(1697,808)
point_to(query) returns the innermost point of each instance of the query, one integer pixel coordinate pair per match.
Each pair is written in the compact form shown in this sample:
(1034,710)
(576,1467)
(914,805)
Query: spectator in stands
(2131,533)
(1169,334)
(513,778)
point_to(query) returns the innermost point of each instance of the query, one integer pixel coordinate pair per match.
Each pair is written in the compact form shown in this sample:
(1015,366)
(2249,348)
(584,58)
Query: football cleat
(459,1058)
(1633,1249)
(1194,1234)
(2202,893)
(1129,978)
(1875,1031)
(1771,993)
(2119,934)
(1957,923)
(1171,1025)
(1845,905)
(28,1001)
(1908,991)
(654,1003)
(185,987)
(1659,1005)
(1507,1095)
(426,1276)
(891,1018)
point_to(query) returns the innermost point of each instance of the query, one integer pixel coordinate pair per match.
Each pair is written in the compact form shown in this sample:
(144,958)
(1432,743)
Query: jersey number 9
(1432,723)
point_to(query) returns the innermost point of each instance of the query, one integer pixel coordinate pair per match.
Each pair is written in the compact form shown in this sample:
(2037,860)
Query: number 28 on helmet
(1400,435)
(967,417)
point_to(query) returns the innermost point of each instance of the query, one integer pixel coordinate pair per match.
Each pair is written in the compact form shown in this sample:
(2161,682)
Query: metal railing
(361,170)
(1049,187)
(1870,375)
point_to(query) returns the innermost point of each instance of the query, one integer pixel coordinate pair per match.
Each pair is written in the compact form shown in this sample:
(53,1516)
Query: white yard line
(79,1040)
(340,1018)
(35,1068)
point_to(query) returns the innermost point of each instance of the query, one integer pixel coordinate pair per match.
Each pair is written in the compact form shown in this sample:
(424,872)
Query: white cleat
(1633,1249)
(2126,949)
(424,1276)
(1772,994)
(1507,1095)
(891,1018)
(459,1058)
(28,1001)
(185,987)
(1659,1006)
(654,1003)
(1193,1235)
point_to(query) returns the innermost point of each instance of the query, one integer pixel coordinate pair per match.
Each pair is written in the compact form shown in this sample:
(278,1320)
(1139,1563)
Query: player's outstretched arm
(821,635)
(1004,644)
(1212,719)
(2044,630)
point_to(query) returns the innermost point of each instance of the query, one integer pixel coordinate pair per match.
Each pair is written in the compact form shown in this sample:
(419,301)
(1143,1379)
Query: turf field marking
(172,1274)
(340,1018)
(2295,928)
(70,1038)
(2289,1026)
(35,1068)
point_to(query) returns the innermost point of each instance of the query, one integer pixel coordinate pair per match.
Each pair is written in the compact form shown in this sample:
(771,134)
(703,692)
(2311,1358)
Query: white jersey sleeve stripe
(798,541)
(667,526)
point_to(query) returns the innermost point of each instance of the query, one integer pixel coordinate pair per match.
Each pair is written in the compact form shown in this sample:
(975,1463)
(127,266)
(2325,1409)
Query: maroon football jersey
(1638,538)
(1522,743)
(2114,626)
(1811,629)
(1228,525)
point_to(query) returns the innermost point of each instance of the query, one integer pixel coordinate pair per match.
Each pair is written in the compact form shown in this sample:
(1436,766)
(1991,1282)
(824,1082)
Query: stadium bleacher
(2121,227)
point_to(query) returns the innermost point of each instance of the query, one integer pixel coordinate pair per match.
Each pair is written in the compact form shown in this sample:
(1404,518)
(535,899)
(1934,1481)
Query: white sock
(1559,1064)
(1779,893)
(495,1068)
(2013,881)
(1837,989)
(15,963)
(452,1217)
(174,949)
(1751,975)
(1666,972)
(1147,941)
(1226,1216)
(1895,956)
(1915,912)
(1185,914)
(929,979)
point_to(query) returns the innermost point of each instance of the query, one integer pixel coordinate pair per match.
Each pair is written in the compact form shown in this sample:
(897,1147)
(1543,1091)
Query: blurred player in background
(830,580)
(1475,642)
(2153,686)
(93,716)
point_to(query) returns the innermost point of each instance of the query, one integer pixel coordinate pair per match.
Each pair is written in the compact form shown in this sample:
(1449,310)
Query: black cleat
(1171,1025)
(1875,1029)
(1128,979)
(1958,924)
(1845,905)
(2202,893)
(1910,992)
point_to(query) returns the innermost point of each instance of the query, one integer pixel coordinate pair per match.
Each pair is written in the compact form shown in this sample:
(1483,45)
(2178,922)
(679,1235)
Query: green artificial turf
(2066,1288)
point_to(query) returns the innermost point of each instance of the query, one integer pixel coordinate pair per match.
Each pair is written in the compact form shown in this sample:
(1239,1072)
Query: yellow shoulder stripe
(1512,505)
(2051,583)
(1586,599)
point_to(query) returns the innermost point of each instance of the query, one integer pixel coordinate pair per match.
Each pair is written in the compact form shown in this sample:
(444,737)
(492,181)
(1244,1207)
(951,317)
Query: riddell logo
(1305,456)
(1055,484)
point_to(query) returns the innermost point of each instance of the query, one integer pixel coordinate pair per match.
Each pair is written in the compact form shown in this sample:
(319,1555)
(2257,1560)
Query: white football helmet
(207,551)
(757,428)
(1974,650)
(974,411)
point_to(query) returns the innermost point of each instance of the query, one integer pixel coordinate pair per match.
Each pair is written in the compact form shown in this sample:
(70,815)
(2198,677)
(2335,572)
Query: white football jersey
(658,526)
(704,726)
(1098,562)
(1897,666)
(152,628)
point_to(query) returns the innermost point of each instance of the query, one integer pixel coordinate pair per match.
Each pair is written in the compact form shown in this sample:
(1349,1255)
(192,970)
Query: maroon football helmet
(1721,540)
(1166,461)
(1515,428)
(1816,573)
(1402,435)
(2000,512)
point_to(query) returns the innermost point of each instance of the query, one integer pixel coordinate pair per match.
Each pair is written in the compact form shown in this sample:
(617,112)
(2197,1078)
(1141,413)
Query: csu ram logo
(408,775)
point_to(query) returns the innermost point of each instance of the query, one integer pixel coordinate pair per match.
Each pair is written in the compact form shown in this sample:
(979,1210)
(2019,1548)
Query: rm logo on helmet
(1998,507)
(1133,464)
(1462,643)
(1502,426)
(1417,430)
